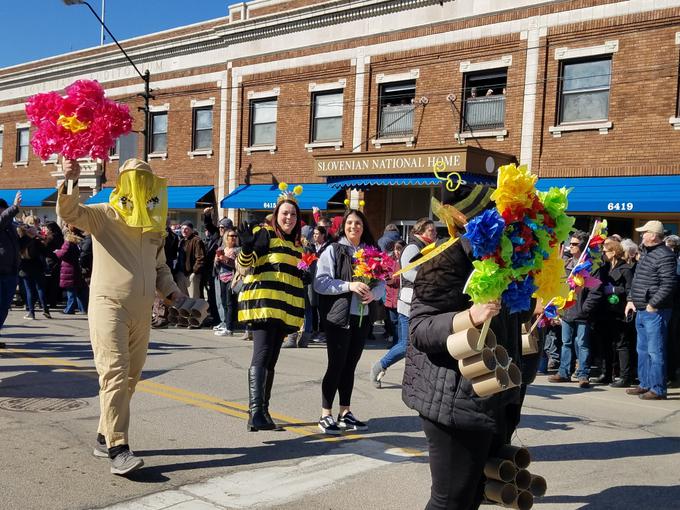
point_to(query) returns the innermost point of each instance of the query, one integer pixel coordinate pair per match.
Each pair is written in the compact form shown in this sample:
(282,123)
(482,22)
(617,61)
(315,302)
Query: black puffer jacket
(655,278)
(432,383)
(616,281)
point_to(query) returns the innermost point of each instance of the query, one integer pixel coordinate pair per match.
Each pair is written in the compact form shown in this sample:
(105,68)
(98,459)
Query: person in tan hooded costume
(129,267)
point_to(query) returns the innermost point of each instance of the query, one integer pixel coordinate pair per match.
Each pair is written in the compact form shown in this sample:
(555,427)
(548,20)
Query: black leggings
(344,347)
(267,341)
(457,459)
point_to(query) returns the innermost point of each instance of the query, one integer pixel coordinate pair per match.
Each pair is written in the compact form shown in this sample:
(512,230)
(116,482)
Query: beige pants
(120,337)
(189,285)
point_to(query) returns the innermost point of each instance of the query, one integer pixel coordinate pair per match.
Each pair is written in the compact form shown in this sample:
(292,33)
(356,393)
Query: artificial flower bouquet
(83,123)
(517,243)
(371,266)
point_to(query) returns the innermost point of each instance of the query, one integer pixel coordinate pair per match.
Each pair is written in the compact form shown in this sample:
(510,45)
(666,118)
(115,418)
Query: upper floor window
(584,91)
(484,105)
(114,152)
(22,144)
(396,109)
(159,132)
(263,122)
(327,122)
(203,126)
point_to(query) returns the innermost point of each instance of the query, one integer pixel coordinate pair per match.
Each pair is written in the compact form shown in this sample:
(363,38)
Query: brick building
(361,97)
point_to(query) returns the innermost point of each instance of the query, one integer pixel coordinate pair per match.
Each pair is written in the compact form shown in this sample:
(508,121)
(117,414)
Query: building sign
(464,159)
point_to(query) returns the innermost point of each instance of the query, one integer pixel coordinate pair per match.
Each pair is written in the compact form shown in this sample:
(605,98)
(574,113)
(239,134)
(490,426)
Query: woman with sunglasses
(617,277)
(225,266)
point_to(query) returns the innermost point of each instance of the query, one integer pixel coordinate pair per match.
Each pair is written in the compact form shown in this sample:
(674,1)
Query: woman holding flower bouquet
(345,289)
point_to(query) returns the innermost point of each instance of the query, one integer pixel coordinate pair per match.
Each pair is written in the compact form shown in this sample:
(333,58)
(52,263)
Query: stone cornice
(316,16)
(270,25)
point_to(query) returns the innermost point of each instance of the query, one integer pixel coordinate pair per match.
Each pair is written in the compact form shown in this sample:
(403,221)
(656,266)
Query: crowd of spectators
(624,332)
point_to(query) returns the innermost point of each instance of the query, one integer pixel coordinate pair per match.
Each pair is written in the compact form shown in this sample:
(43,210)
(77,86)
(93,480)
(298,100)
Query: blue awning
(263,196)
(401,180)
(653,193)
(179,197)
(31,197)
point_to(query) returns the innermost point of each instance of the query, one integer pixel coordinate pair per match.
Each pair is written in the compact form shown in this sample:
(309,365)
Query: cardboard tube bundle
(188,312)
(486,365)
(509,482)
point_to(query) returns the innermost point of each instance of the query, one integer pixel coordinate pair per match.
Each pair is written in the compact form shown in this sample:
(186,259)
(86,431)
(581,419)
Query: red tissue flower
(83,123)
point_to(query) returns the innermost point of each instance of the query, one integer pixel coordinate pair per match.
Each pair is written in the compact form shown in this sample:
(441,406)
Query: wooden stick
(69,186)
(482,336)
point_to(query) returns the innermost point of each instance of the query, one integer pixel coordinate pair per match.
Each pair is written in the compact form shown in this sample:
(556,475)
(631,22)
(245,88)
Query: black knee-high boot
(256,389)
(269,382)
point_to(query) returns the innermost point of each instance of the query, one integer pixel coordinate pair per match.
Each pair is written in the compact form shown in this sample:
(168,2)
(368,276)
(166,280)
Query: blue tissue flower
(484,232)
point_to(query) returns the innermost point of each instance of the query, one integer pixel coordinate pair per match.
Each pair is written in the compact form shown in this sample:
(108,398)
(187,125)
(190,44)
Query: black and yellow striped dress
(274,291)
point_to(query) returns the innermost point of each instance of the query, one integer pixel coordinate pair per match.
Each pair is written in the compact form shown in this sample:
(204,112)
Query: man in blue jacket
(9,256)
(651,295)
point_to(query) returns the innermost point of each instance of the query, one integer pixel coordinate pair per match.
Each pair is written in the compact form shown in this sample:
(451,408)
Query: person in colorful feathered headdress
(129,265)
(272,300)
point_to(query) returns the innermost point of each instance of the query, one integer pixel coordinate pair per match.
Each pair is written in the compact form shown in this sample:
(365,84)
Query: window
(159,132)
(2,142)
(203,124)
(327,123)
(114,152)
(396,109)
(484,105)
(584,95)
(263,123)
(22,144)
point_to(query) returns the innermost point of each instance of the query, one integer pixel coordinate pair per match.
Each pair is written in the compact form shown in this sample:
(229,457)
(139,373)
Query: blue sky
(35,29)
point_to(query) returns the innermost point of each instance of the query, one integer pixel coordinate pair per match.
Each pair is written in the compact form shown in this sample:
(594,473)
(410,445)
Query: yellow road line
(195,399)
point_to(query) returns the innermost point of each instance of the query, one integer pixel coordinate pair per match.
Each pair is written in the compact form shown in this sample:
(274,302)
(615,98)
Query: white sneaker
(222,332)
(218,327)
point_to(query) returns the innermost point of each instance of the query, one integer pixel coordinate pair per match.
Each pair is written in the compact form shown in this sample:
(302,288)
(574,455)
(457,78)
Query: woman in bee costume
(272,299)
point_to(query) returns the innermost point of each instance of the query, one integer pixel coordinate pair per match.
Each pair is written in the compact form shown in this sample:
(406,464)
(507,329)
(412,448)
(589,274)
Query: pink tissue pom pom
(106,120)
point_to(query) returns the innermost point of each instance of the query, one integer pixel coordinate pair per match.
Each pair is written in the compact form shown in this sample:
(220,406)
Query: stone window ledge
(260,148)
(407,140)
(675,122)
(20,163)
(499,134)
(158,155)
(321,145)
(201,152)
(603,127)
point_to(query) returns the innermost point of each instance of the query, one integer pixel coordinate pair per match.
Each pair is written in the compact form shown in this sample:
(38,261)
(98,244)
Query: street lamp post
(146,76)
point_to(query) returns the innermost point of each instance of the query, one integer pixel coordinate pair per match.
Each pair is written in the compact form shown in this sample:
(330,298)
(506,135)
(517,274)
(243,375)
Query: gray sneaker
(290,342)
(377,373)
(125,462)
(100,450)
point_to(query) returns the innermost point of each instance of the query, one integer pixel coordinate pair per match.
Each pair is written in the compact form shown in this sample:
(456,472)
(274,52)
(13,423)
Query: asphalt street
(597,448)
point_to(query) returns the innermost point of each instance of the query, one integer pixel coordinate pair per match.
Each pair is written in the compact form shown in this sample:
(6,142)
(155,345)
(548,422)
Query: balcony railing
(484,113)
(396,121)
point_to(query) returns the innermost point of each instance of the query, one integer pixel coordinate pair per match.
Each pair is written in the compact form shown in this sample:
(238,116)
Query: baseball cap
(654,226)
(226,223)
(187,223)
